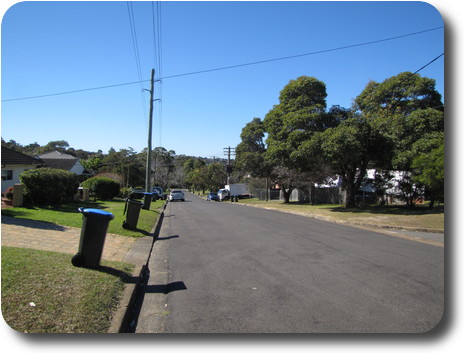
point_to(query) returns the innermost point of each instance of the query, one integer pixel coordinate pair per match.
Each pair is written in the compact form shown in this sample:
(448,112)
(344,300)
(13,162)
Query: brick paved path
(25,233)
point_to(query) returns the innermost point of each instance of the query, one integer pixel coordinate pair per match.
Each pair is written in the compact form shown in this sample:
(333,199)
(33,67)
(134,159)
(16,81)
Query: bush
(47,186)
(102,188)
(125,192)
(9,193)
(116,177)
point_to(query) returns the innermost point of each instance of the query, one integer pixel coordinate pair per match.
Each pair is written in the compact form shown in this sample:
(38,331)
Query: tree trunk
(350,197)
(350,187)
(287,193)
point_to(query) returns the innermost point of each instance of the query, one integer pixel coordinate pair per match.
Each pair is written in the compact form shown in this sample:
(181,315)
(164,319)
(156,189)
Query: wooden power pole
(150,124)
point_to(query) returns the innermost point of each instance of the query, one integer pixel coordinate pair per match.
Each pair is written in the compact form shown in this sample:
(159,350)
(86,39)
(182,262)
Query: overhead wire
(135,46)
(161,78)
(301,55)
(157,57)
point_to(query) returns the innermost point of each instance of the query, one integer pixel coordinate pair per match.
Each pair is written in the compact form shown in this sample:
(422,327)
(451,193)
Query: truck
(239,190)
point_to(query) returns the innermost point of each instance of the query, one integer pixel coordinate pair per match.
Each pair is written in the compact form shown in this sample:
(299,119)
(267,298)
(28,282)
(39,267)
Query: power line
(157,59)
(304,54)
(231,66)
(135,46)
(423,67)
(75,91)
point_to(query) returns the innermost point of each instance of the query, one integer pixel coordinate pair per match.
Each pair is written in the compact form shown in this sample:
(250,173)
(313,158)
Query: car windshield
(175,191)
(212,193)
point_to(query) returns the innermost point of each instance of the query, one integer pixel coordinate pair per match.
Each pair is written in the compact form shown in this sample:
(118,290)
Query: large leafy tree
(250,153)
(300,113)
(127,164)
(349,149)
(162,166)
(428,165)
(405,109)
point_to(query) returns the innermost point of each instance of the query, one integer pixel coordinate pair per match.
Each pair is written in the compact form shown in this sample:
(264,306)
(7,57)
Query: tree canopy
(392,125)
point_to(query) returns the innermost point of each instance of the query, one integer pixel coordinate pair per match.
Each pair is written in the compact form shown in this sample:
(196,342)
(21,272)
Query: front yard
(43,293)
(68,215)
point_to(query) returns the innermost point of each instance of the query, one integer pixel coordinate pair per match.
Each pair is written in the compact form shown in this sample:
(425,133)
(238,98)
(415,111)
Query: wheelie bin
(147,197)
(132,211)
(93,233)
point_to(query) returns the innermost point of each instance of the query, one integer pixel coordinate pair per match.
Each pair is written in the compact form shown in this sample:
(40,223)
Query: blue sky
(58,47)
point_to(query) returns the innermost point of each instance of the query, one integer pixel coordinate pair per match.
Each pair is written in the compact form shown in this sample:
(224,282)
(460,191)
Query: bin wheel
(78,260)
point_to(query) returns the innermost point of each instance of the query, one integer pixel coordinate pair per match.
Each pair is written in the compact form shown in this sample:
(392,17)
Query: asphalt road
(229,268)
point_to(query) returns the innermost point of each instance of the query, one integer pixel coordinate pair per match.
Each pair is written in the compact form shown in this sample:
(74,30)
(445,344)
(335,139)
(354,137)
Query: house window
(7,174)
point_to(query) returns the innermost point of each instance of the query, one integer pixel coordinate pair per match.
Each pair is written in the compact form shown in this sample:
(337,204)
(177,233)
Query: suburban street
(229,268)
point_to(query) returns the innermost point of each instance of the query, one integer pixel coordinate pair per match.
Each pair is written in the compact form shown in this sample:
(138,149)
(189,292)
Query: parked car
(137,194)
(212,196)
(176,195)
(158,190)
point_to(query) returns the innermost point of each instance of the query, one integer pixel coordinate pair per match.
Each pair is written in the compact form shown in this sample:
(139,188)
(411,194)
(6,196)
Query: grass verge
(419,217)
(68,215)
(43,293)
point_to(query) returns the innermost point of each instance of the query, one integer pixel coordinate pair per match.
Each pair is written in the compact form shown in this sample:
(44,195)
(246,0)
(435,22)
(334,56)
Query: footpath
(25,233)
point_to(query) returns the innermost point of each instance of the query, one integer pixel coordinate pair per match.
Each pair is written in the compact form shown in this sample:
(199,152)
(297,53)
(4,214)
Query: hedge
(47,186)
(103,188)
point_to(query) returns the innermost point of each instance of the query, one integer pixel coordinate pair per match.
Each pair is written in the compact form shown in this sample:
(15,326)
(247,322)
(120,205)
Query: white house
(13,164)
(59,160)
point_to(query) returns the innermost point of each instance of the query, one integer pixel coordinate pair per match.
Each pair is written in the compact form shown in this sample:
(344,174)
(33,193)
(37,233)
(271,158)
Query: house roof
(60,160)
(56,155)
(56,163)
(10,156)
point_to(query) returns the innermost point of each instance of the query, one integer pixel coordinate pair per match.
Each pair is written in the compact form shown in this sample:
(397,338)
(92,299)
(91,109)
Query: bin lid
(134,201)
(96,212)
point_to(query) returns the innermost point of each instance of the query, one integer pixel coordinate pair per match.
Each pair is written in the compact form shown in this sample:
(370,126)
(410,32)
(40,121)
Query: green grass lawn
(419,217)
(68,215)
(43,293)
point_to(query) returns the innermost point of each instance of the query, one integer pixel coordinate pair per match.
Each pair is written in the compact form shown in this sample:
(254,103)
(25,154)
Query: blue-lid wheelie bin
(93,233)
(147,197)
(132,211)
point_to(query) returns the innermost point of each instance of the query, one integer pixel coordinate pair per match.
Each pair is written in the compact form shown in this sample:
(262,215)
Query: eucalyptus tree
(250,153)
(407,110)
(301,113)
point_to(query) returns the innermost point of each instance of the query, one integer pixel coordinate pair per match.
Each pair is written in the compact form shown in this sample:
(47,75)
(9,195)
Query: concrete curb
(121,318)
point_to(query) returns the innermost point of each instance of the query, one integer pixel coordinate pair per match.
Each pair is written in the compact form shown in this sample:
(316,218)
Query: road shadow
(150,289)
(23,222)
(168,237)
(165,288)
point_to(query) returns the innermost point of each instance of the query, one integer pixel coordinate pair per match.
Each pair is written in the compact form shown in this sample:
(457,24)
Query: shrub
(113,176)
(125,192)
(102,188)
(9,193)
(47,186)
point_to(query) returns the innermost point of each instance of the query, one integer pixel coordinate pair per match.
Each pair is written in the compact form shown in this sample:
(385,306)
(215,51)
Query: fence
(319,195)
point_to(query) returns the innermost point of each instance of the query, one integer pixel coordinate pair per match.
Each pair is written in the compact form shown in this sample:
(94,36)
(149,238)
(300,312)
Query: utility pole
(228,151)
(150,124)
